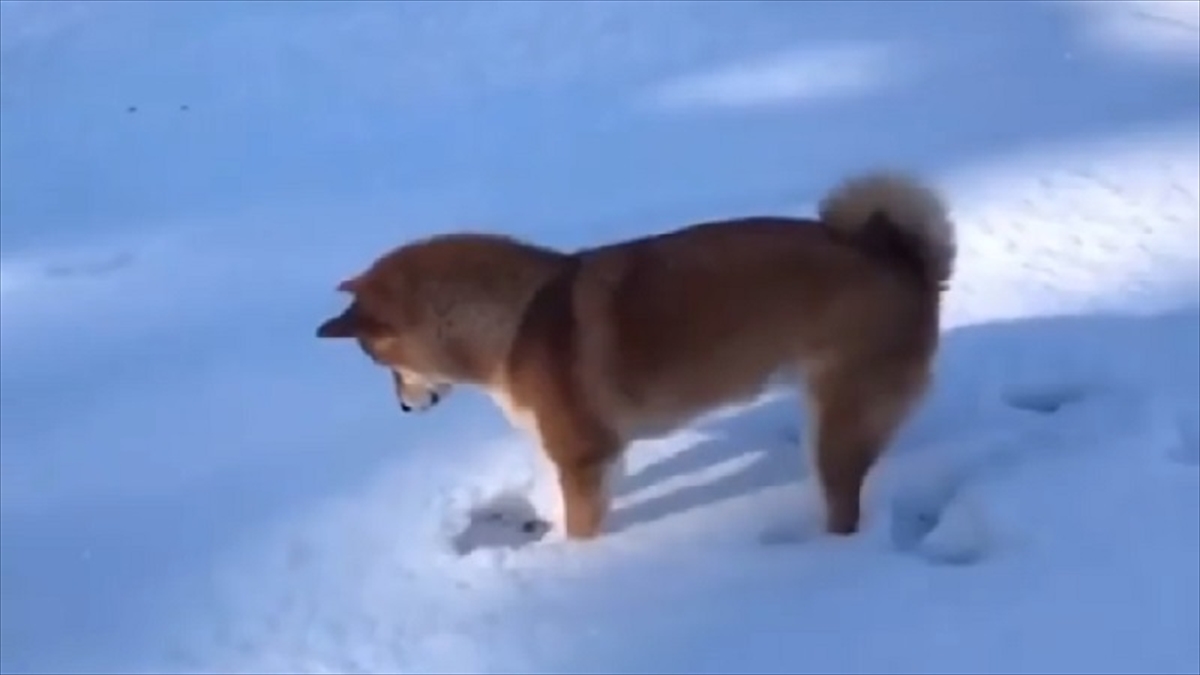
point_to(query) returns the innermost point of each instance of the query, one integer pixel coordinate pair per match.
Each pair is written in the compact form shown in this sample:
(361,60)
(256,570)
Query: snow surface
(191,482)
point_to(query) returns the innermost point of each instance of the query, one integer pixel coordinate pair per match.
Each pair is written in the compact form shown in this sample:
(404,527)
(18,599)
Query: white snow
(797,75)
(1160,29)
(191,482)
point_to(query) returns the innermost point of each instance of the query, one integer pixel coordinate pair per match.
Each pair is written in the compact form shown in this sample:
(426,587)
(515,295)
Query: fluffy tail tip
(913,208)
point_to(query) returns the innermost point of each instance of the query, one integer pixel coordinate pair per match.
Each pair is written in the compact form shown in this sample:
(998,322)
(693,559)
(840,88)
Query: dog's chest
(519,416)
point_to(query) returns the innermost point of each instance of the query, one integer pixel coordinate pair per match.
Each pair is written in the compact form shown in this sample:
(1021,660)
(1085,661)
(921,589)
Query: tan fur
(590,350)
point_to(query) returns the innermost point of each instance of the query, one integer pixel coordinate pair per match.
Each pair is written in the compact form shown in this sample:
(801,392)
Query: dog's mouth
(415,398)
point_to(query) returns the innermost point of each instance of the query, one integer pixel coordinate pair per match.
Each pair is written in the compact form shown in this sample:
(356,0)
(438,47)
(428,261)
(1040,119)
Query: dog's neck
(480,323)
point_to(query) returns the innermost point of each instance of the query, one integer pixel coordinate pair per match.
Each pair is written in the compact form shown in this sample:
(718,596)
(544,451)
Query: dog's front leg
(583,454)
(585,497)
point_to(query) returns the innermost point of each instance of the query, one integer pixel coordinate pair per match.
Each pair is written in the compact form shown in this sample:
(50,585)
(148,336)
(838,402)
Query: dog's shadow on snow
(1003,376)
(750,448)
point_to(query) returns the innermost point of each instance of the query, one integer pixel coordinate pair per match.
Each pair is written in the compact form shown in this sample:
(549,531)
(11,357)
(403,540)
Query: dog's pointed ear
(344,325)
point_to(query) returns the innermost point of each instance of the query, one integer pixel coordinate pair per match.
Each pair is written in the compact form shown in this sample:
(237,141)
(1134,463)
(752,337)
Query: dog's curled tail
(893,215)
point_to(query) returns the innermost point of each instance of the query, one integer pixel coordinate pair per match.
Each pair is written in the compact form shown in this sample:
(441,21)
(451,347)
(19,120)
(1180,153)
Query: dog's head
(405,351)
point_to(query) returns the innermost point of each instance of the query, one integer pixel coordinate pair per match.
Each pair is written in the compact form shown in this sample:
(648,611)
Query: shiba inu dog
(591,349)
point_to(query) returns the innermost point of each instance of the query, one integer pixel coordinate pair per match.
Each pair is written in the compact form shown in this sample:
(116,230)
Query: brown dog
(593,349)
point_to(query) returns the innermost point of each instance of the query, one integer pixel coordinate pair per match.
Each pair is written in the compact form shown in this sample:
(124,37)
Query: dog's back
(680,322)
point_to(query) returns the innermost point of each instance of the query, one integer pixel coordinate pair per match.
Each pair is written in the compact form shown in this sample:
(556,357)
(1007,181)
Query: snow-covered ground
(190,481)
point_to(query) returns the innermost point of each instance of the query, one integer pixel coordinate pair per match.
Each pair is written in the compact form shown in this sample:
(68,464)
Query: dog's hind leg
(857,406)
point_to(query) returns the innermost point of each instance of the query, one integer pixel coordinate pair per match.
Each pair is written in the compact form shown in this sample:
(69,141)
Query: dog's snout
(434,398)
(416,394)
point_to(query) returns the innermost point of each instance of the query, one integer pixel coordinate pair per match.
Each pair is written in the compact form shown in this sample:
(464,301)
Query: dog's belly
(671,404)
